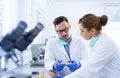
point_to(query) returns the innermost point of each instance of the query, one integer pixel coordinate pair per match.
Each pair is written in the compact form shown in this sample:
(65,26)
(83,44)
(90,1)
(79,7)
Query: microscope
(19,40)
(38,51)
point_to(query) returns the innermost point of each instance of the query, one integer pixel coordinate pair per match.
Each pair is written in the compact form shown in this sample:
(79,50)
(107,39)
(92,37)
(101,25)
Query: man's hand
(73,65)
(54,74)
(58,66)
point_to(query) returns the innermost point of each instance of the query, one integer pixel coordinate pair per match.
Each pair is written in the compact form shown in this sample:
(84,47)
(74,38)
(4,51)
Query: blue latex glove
(58,66)
(58,76)
(73,65)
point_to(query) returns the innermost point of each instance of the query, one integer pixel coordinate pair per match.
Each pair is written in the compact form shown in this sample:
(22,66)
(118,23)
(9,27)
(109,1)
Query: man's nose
(64,33)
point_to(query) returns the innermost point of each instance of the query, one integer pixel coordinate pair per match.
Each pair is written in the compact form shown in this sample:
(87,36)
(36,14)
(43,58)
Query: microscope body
(19,40)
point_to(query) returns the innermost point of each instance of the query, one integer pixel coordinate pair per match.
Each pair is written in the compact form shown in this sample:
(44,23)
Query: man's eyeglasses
(64,30)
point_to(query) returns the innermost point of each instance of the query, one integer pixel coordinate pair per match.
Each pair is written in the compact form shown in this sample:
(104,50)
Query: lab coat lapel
(63,51)
(72,53)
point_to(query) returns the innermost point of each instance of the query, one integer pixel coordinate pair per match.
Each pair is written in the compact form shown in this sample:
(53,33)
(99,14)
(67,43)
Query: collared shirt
(67,47)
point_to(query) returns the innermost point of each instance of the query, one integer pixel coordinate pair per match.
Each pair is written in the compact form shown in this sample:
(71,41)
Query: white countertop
(26,70)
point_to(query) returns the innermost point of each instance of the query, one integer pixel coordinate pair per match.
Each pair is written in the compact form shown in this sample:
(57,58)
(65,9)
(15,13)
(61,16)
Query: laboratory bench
(26,71)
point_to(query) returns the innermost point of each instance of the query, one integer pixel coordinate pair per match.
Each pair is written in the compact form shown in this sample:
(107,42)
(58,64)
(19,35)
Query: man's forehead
(62,25)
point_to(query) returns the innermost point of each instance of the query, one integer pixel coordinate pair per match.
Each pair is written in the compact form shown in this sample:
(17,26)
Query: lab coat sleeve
(84,50)
(102,53)
(49,56)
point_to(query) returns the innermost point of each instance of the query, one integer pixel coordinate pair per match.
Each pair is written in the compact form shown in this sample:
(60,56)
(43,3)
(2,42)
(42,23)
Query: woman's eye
(82,31)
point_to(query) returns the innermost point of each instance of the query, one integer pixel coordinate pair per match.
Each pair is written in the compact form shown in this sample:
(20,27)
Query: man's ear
(55,30)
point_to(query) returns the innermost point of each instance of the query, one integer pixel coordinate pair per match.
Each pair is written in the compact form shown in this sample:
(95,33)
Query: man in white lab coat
(104,60)
(64,49)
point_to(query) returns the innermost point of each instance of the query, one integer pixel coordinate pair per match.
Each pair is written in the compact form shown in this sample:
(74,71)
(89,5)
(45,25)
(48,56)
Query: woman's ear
(69,26)
(93,31)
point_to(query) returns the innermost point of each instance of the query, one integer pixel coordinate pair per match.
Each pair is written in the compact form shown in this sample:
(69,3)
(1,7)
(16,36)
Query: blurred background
(32,11)
(45,11)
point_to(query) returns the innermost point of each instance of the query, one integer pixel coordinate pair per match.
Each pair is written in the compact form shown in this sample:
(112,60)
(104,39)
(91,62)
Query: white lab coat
(104,61)
(55,51)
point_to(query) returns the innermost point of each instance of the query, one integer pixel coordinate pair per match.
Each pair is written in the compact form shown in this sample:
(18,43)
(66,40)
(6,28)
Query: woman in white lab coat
(104,60)
(55,48)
